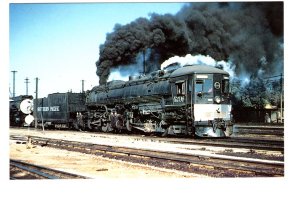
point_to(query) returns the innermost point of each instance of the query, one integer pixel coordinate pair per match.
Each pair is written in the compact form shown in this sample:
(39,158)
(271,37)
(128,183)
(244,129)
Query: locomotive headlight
(217,85)
(217,99)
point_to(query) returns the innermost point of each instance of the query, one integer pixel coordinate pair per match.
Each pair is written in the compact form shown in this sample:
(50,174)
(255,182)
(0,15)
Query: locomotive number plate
(178,99)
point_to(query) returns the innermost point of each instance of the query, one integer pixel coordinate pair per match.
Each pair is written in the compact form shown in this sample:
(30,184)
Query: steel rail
(44,172)
(270,145)
(259,131)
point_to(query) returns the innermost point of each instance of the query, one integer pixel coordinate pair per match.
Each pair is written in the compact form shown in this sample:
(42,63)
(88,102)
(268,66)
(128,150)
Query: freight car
(16,116)
(191,100)
(61,110)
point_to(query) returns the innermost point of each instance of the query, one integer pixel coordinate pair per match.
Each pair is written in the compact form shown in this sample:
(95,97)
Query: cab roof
(197,69)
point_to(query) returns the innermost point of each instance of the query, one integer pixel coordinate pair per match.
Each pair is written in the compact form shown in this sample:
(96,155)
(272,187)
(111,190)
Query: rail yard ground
(122,179)
(93,166)
(85,164)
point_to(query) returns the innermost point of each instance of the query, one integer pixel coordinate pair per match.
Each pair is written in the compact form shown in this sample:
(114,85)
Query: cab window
(204,86)
(180,88)
(199,86)
(208,85)
(225,86)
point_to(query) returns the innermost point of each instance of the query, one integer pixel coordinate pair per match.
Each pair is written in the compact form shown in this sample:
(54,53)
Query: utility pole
(14,87)
(82,86)
(281,97)
(36,102)
(27,81)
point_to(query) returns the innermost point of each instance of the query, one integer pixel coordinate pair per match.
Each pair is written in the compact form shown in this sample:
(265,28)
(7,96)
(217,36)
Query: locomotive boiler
(192,100)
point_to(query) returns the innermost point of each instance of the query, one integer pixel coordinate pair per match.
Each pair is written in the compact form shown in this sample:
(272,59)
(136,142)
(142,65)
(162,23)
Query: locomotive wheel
(92,127)
(76,126)
(165,134)
(119,124)
(106,127)
(128,125)
(89,125)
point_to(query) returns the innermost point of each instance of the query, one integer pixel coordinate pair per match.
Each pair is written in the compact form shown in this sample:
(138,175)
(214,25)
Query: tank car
(16,116)
(192,100)
(61,110)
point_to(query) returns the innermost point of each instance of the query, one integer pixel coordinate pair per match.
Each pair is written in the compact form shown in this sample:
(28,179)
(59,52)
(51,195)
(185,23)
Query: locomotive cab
(203,92)
(212,105)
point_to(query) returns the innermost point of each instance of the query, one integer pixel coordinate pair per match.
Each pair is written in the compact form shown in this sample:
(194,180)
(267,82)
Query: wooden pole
(281,98)
(14,80)
(36,102)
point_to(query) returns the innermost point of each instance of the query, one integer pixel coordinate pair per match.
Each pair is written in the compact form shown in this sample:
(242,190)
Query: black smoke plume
(248,34)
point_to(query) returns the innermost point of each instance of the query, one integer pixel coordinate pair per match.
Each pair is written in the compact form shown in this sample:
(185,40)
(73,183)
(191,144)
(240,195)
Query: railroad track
(248,143)
(259,130)
(24,170)
(203,163)
(234,142)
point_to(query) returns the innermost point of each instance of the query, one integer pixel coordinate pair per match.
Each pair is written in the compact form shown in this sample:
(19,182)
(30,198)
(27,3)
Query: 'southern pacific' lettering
(47,109)
(54,108)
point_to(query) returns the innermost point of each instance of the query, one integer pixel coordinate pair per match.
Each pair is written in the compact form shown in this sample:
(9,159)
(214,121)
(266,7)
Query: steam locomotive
(193,100)
(190,100)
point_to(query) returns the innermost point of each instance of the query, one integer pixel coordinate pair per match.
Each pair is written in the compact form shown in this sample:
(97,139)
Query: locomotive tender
(60,110)
(191,100)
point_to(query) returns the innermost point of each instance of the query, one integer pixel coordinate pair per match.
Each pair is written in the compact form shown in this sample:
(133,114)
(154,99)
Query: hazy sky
(59,43)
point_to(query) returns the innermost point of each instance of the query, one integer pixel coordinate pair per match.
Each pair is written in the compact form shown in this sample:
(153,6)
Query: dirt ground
(88,165)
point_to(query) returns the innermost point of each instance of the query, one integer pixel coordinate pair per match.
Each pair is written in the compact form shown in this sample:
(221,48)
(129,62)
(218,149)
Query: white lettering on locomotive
(43,109)
(54,108)
(178,99)
(47,109)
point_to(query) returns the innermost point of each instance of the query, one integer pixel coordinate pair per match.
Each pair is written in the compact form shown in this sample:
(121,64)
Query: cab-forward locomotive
(192,100)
